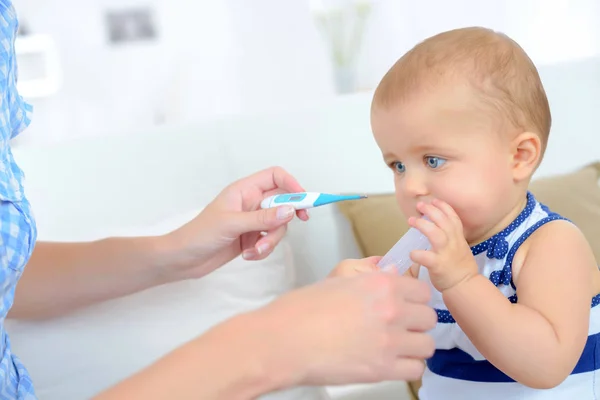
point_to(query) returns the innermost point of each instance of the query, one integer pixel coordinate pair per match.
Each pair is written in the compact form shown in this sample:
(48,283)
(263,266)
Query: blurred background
(146,109)
(105,67)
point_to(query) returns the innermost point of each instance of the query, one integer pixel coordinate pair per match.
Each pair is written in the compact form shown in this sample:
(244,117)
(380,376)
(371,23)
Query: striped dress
(458,371)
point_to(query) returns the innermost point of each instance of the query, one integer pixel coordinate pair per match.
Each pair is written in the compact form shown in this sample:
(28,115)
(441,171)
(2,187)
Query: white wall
(237,56)
(209,60)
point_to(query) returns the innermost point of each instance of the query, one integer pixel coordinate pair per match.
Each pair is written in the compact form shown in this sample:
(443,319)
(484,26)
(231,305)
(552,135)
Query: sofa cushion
(377,222)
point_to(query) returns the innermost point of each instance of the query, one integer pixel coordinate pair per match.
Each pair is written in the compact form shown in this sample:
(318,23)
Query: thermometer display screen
(296,198)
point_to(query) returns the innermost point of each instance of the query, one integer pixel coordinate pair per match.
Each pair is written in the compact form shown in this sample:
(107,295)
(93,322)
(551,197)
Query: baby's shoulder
(547,242)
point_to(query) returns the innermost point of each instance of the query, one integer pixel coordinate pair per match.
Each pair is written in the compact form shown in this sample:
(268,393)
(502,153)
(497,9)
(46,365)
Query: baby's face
(439,145)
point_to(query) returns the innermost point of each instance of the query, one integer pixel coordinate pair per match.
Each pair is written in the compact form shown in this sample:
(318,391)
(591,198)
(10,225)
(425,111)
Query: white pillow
(321,243)
(78,355)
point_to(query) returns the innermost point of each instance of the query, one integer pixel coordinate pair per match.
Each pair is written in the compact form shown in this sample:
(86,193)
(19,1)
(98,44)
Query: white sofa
(150,182)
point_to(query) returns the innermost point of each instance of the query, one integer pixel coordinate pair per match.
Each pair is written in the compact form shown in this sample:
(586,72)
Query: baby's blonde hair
(493,64)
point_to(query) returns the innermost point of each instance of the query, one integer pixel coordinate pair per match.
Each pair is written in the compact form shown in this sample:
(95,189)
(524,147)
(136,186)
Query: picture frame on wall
(131,25)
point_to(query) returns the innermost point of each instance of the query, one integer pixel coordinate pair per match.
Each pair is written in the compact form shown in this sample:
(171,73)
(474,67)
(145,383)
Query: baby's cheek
(472,216)
(404,206)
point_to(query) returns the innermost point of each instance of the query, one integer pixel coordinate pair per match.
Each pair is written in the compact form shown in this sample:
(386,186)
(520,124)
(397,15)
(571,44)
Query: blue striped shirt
(17,226)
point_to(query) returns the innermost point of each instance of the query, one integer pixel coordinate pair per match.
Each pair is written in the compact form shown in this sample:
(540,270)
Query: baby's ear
(526,155)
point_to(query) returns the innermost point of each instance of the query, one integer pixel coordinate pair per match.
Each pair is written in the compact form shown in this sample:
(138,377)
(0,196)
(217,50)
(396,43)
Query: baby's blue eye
(434,162)
(398,167)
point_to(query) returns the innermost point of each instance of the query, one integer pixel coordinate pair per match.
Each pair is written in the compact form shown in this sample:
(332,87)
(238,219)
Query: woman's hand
(352,267)
(365,328)
(233,224)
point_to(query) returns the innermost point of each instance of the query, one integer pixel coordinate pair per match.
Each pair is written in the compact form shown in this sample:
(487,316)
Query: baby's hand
(449,260)
(353,267)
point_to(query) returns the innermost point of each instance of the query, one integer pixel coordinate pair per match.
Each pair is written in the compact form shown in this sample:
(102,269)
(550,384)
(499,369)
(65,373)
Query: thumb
(390,269)
(264,220)
(373,259)
(368,264)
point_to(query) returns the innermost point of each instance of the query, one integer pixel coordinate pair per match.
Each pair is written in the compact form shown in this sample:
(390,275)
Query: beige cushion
(376,221)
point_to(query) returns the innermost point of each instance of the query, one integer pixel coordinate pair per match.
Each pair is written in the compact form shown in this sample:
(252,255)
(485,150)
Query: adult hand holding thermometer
(304,200)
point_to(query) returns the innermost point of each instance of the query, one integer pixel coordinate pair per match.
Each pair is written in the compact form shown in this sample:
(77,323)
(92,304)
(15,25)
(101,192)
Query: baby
(462,120)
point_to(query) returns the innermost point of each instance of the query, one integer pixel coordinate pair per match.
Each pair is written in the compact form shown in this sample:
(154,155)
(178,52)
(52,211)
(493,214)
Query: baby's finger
(436,236)
(426,258)
(449,211)
(436,215)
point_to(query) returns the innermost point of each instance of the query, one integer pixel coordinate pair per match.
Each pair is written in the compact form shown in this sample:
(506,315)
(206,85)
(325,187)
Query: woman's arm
(539,340)
(227,362)
(61,277)
(365,328)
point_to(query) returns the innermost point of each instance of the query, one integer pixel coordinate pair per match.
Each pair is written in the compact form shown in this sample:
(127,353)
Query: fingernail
(389,268)
(249,254)
(262,248)
(285,212)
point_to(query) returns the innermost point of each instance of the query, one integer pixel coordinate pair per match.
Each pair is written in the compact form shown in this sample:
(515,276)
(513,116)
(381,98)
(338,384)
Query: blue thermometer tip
(325,198)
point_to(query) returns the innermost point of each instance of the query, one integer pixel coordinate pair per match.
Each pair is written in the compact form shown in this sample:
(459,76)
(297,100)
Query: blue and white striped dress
(458,371)
(17,226)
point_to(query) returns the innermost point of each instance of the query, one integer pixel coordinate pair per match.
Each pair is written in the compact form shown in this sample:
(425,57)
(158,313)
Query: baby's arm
(539,340)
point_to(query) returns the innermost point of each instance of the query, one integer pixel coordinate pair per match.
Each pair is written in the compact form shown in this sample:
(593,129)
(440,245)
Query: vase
(345,79)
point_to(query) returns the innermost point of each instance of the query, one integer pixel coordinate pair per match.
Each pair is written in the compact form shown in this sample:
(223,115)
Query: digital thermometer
(304,200)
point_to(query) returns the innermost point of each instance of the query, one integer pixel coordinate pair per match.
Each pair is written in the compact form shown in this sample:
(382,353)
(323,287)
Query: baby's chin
(471,236)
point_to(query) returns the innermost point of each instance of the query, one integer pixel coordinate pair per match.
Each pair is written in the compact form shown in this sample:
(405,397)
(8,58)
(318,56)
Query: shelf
(39,66)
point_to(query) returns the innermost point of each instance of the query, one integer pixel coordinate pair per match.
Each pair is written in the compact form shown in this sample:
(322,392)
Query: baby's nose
(415,185)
